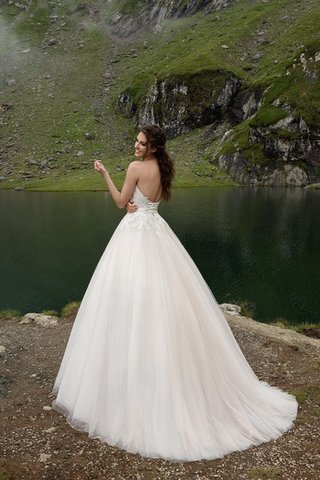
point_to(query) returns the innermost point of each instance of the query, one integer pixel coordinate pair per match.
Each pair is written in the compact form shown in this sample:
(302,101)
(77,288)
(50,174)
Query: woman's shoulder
(135,164)
(143,166)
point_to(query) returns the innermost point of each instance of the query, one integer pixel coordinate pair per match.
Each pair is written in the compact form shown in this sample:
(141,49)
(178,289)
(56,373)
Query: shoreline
(290,333)
(103,188)
(179,185)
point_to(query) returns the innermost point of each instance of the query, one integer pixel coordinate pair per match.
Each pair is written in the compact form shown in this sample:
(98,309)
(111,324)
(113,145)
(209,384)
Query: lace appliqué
(143,220)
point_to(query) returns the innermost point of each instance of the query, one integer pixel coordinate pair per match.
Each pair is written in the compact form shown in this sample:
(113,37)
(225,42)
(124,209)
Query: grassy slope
(279,30)
(56,102)
(53,114)
(194,44)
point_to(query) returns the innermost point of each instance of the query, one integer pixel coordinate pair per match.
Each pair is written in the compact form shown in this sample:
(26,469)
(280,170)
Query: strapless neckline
(147,198)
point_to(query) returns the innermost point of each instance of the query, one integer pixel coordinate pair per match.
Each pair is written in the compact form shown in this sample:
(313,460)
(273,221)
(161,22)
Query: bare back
(149,182)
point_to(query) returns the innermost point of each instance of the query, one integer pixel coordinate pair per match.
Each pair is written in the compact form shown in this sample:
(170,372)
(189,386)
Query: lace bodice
(145,217)
(143,203)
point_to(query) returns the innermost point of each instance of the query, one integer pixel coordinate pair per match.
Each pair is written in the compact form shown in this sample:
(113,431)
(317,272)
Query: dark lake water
(260,245)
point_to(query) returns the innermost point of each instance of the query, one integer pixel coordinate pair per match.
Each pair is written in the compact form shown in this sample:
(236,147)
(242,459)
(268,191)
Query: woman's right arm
(120,198)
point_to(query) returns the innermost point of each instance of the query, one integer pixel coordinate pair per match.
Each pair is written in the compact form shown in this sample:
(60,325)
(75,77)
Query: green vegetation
(35,25)
(315,412)
(5,476)
(184,50)
(247,307)
(9,313)
(68,89)
(285,39)
(267,116)
(70,309)
(299,327)
(53,313)
(129,7)
(262,473)
(301,395)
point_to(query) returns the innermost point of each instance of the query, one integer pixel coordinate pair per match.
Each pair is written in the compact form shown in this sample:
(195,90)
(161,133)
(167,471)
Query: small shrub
(70,308)
(280,322)
(52,313)
(247,307)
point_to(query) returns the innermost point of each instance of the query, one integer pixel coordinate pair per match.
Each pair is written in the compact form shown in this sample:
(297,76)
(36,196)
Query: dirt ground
(37,442)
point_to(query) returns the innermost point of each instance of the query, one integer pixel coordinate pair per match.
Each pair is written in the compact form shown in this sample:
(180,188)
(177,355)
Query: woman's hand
(131,207)
(100,167)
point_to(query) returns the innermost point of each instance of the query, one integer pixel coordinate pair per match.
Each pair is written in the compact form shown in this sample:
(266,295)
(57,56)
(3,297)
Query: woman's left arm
(120,198)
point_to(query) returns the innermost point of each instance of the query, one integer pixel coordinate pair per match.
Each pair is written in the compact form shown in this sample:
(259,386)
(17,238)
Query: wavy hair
(157,138)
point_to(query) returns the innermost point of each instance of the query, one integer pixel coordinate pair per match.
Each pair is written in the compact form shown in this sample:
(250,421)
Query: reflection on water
(260,245)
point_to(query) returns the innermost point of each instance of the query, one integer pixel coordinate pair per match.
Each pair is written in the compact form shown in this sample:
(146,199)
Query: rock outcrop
(128,19)
(278,334)
(181,104)
(284,151)
(39,319)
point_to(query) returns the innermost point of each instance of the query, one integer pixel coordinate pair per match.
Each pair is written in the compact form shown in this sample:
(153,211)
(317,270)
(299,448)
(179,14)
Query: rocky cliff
(280,146)
(192,101)
(271,128)
(130,17)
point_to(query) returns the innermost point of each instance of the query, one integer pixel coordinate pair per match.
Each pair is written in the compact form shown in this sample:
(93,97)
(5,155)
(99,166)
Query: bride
(151,365)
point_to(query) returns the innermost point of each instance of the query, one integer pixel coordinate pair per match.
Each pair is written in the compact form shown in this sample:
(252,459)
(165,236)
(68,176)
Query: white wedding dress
(151,365)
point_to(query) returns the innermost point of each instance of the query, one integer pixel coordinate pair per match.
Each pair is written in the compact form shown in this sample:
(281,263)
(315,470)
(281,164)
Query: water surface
(260,245)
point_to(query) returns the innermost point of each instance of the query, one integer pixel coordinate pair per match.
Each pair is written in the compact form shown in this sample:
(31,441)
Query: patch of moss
(130,7)
(238,139)
(282,133)
(264,473)
(267,115)
(255,154)
(315,412)
(301,395)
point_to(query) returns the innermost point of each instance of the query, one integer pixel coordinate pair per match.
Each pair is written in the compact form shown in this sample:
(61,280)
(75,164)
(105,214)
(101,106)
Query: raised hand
(99,167)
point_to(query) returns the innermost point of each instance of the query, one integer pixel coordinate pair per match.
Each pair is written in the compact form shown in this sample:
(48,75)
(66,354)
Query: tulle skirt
(151,365)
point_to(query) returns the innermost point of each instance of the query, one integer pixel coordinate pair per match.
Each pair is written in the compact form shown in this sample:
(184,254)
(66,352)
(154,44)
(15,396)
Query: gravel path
(37,443)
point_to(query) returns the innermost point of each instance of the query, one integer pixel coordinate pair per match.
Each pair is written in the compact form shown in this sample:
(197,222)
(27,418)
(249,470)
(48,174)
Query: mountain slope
(69,70)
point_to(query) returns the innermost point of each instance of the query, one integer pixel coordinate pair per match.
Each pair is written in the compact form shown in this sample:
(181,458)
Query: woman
(151,364)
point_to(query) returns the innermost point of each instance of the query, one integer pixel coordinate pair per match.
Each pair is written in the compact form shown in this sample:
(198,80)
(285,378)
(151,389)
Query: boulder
(39,319)
(230,308)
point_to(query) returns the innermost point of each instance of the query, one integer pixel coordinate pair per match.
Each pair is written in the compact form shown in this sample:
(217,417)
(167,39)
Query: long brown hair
(157,138)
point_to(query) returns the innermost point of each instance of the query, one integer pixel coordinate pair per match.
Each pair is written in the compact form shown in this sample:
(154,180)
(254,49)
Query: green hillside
(64,71)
